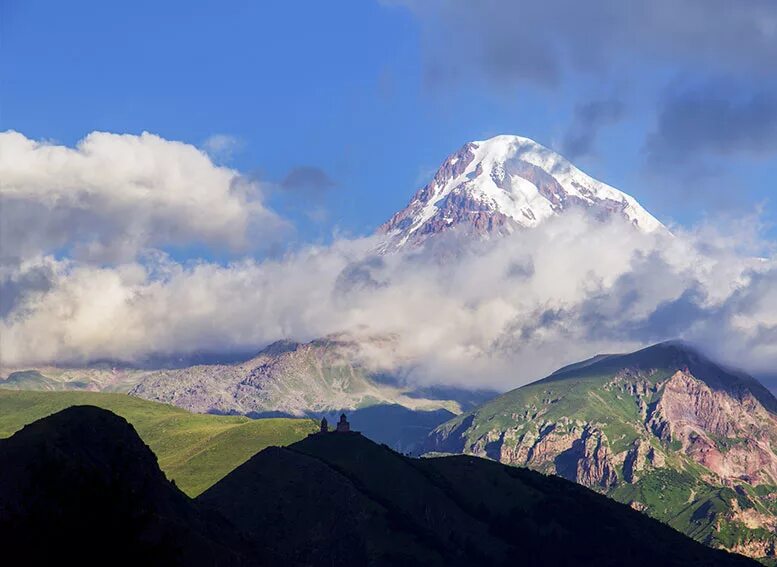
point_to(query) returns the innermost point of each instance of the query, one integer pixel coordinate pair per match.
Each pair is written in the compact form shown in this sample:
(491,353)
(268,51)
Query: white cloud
(507,313)
(113,195)
(495,313)
(221,147)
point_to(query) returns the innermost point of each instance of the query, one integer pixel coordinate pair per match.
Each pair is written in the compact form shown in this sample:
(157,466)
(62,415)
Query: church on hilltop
(342,426)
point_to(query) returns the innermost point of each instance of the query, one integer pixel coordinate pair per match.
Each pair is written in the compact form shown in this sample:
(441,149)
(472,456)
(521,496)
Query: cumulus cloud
(503,313)
(113,195)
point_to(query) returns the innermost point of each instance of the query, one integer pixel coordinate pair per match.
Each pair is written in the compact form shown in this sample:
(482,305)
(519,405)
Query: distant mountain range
(315,379)
(80,487)
(286,377)
(664,430)
(94,377)
(322,377)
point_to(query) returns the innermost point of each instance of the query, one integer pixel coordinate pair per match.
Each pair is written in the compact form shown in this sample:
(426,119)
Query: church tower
(343,426)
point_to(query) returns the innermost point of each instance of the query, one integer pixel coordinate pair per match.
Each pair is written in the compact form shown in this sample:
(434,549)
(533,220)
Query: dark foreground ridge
(81,486)
(351,501)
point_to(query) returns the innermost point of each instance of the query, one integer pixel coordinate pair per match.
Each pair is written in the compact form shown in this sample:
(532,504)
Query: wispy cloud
(589,118)
(222,147)
(507,42)
(307,179)
(716,119)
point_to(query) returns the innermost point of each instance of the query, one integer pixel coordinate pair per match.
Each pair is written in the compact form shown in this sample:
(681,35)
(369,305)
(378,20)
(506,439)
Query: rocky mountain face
(322,377)
(286,377)
(496,186)
(664,430)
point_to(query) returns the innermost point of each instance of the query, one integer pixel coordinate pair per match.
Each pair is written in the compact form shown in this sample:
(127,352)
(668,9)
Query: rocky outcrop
(578,452)
(664,430)
(635,461)
(727,431)
(595,466)
(641,456)
(755,548)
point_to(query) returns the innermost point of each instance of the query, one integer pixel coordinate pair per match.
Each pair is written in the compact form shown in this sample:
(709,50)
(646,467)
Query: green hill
(194,450)
(664,430)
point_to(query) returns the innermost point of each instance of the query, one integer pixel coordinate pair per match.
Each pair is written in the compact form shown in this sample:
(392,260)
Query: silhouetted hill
(300,507)
(193,450)
(80,487)
(342,499)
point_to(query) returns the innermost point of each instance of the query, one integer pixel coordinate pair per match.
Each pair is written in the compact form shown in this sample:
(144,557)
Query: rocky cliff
(664,430)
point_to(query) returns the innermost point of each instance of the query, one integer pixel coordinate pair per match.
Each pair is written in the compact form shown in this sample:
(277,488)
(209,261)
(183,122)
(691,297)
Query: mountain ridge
(193,450)
(663,429)
(287,376)
(496,186)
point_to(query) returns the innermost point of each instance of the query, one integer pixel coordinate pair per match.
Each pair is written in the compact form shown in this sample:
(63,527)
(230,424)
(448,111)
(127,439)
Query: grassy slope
(676,495)
(194,450)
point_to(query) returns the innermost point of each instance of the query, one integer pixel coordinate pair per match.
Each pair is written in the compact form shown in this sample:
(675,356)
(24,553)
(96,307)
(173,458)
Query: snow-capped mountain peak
(495,186)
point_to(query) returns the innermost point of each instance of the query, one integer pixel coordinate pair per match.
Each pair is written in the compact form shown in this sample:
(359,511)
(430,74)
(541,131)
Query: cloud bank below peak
(493,313)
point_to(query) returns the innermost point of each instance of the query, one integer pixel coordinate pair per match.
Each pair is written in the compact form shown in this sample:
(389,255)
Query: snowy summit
(495,186)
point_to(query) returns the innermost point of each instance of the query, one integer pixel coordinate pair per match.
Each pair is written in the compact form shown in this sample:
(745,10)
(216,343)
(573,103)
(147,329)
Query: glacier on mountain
(496,186)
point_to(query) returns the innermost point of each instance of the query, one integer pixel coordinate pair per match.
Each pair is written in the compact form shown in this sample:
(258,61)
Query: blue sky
(376,94)
(133,246)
